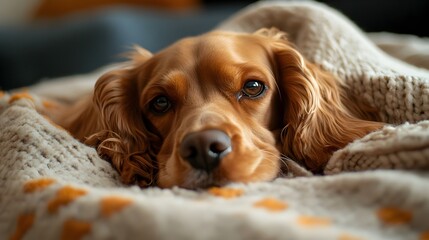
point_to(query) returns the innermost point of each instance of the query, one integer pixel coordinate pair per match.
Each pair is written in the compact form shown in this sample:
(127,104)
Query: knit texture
(52,186)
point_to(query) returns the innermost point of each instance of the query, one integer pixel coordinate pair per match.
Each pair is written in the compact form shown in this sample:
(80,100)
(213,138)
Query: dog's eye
(253,88)
(160,104)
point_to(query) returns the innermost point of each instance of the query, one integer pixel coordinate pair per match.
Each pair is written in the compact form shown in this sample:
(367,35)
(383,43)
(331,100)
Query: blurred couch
(85,40)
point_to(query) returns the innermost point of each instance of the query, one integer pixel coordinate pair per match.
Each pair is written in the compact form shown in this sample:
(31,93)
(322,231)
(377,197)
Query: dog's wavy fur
(306,114)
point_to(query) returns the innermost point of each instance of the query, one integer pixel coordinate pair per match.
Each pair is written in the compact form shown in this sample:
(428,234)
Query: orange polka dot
(424,235)
(113,204)
(347,236)
(309,221)
(49,104)
(21,95)
(37,184)
(226,192)
(75,229)
(394,216)
(25,222)
(271,204)
(64,196)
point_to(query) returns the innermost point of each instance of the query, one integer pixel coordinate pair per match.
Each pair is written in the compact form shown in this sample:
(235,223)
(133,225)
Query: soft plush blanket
(52,186)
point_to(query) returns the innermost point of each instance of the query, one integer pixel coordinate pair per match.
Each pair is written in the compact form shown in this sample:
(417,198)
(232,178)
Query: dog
(217,108)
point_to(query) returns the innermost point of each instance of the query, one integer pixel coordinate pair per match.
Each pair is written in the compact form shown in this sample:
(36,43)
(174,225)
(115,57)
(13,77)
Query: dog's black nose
(204,149)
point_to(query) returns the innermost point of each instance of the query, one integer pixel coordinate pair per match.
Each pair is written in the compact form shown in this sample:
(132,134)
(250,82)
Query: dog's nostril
(205,149)
(190,152)
(218,147)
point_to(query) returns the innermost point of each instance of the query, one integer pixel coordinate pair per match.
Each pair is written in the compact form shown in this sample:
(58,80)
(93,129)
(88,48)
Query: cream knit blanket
(52,186)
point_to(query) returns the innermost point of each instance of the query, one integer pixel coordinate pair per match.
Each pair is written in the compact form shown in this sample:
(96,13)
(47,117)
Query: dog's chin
(201,179)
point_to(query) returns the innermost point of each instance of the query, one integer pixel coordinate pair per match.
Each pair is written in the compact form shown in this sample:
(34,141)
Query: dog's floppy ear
(319,117)
(120,132)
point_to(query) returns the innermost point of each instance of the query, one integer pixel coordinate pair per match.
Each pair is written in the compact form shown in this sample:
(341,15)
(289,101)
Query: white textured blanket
(52,186)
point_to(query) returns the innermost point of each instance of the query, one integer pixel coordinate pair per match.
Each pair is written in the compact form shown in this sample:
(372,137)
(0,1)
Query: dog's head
(219,108)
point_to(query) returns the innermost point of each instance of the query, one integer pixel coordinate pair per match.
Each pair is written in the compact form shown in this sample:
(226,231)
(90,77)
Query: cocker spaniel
(217,108)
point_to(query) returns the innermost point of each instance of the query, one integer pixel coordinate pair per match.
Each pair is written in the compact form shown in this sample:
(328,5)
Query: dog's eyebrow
(254,71)
(173,78)
(173,84)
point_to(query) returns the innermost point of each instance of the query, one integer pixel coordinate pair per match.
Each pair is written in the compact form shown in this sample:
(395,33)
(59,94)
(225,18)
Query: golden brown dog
(218,108)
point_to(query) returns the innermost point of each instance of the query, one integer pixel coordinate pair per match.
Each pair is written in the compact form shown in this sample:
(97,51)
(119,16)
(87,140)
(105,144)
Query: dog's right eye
(160,105)
(253,89)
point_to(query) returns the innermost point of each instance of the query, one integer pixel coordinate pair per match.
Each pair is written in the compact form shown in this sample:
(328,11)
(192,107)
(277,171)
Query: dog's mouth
(197,179)
(214,157)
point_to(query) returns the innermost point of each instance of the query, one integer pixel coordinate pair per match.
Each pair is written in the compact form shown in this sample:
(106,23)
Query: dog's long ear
(319,115)
(113,123)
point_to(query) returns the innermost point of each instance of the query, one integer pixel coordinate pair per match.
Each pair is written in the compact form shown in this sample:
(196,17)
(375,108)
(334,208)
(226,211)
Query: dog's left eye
(160,104)
(253,89)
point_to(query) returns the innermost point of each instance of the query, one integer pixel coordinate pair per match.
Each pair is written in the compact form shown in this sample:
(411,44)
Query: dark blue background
(83,42)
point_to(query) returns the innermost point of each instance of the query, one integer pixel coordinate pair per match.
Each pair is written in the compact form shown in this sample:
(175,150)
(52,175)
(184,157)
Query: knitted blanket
(52,186)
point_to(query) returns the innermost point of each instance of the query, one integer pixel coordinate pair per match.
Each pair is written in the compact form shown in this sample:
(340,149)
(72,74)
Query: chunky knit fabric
(52,186)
